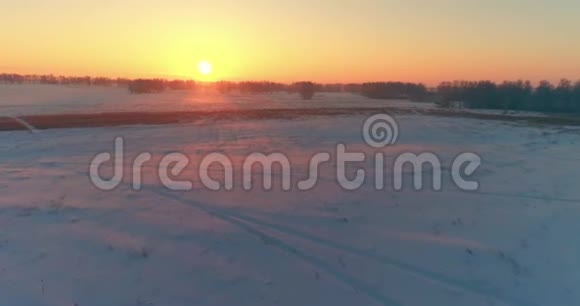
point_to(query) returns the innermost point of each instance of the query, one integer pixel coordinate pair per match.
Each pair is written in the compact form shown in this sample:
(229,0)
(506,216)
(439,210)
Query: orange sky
(326,41)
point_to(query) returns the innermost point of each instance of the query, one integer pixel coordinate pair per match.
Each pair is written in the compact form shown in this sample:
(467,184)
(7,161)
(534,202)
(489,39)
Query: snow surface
(513,242)
(38,99)
(28,99)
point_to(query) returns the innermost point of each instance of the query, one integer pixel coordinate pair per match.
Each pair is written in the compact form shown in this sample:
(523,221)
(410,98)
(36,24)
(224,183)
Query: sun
(204,67)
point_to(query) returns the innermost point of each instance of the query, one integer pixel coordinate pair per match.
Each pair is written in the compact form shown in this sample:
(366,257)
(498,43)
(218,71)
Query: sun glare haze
(204,67)
(325,41)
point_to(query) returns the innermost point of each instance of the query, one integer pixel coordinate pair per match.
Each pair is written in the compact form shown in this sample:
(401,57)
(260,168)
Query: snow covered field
(17,100)
(513,242)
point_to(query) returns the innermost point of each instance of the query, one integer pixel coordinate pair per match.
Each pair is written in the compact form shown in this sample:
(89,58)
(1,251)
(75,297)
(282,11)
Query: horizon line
(176,78)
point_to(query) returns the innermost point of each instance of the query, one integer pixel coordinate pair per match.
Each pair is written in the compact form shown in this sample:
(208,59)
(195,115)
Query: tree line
(519,95)
(12,78)
(305,89)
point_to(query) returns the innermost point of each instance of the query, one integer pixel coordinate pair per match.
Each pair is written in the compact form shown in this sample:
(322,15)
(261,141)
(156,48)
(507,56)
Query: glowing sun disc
(204,67)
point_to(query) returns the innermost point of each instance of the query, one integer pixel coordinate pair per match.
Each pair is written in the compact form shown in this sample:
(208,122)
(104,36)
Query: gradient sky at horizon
(324,41)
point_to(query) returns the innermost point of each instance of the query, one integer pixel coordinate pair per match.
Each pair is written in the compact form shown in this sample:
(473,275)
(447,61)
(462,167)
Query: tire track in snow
(561,201)
(427,275)
(356,284)
(241,221)
(279,244)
